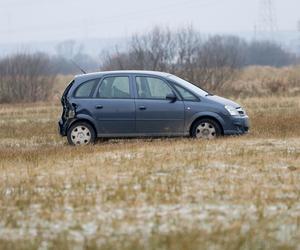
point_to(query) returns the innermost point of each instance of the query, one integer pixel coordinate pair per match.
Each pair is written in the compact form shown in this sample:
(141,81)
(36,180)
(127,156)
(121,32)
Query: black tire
(208,127)
(89,134)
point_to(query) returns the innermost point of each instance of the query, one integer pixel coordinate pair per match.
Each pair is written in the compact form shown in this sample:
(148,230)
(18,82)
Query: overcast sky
(44,20)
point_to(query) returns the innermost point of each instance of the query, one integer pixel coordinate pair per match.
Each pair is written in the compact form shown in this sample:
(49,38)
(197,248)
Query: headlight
(232,110)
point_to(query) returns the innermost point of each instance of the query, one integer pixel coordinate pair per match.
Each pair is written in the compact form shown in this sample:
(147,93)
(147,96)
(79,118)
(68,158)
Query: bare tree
(268,53)
(188,46)
(25,78)
(218,59)
(209,62)
(68,49)
(152,51)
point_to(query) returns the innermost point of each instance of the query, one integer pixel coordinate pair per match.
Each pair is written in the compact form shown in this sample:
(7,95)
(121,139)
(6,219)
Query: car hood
(223,101)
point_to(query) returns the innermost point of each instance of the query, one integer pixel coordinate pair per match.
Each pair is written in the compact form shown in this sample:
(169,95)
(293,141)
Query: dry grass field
(232,193)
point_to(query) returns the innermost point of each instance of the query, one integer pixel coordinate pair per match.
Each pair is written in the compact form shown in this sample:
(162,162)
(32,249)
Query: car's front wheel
(81,133)
(206,129)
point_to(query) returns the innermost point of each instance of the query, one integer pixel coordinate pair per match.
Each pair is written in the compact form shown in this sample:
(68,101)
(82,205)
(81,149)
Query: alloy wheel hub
(81,135)
(206,130)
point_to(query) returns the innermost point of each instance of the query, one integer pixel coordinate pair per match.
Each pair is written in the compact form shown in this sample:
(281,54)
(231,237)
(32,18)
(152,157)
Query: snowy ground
(233,193)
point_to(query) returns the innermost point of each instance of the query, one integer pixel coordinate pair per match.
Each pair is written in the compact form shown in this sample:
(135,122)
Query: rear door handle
(142,108)
(99,107)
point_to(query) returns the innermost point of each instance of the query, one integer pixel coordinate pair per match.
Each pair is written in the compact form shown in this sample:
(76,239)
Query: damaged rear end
(68,112)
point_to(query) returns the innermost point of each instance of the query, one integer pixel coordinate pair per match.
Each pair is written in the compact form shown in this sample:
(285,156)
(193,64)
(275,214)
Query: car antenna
(82,70)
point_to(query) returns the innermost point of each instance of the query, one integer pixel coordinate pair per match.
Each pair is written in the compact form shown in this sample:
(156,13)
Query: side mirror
(172,97)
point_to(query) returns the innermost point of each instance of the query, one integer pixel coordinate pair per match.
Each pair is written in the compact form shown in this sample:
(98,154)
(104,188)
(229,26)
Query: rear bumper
(240,126)
(63,127)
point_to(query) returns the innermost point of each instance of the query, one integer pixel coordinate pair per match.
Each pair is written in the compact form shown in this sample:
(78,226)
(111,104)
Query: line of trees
(26,78)
(210,61)
(207,61)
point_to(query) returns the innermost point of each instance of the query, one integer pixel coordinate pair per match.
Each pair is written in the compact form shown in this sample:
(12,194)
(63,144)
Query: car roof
(137,72)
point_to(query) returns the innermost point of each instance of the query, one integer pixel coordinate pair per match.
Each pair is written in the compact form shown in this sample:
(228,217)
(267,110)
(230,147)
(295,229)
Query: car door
(114,107)
(155,115)
(192,105)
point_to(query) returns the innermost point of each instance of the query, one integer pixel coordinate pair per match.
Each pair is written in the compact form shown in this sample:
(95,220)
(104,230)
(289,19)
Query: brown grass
(264,81)
(232,193)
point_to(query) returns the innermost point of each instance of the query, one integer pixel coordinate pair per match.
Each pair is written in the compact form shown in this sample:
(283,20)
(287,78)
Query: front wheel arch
(205,117)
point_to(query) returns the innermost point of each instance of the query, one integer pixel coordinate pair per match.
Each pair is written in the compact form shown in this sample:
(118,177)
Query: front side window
(86,89)
(188,85)
(186,95)
(152,88)
(115,87)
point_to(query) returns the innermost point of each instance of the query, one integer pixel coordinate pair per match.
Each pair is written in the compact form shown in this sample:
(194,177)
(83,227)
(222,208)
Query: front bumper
(239,126)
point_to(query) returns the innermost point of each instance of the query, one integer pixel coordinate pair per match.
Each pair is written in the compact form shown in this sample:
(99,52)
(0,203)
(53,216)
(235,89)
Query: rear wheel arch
(85,121)
(81,132)
(205,117)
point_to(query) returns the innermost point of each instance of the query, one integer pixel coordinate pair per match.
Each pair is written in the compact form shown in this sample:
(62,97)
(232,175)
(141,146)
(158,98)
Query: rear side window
(115,88)
(86,89)
(68,88)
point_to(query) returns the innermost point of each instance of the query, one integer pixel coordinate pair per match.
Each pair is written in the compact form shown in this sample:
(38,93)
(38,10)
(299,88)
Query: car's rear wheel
(81,133)
(206,129)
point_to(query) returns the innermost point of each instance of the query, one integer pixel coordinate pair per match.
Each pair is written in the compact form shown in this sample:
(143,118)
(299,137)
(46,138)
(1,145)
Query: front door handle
(142,108)
(99,107)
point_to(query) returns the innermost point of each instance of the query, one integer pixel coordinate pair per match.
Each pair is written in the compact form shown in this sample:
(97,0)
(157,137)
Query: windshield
(188,85)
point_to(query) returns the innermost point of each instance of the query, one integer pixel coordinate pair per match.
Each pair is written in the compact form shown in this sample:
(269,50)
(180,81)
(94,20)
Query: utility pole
(267,20)
(298,28)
